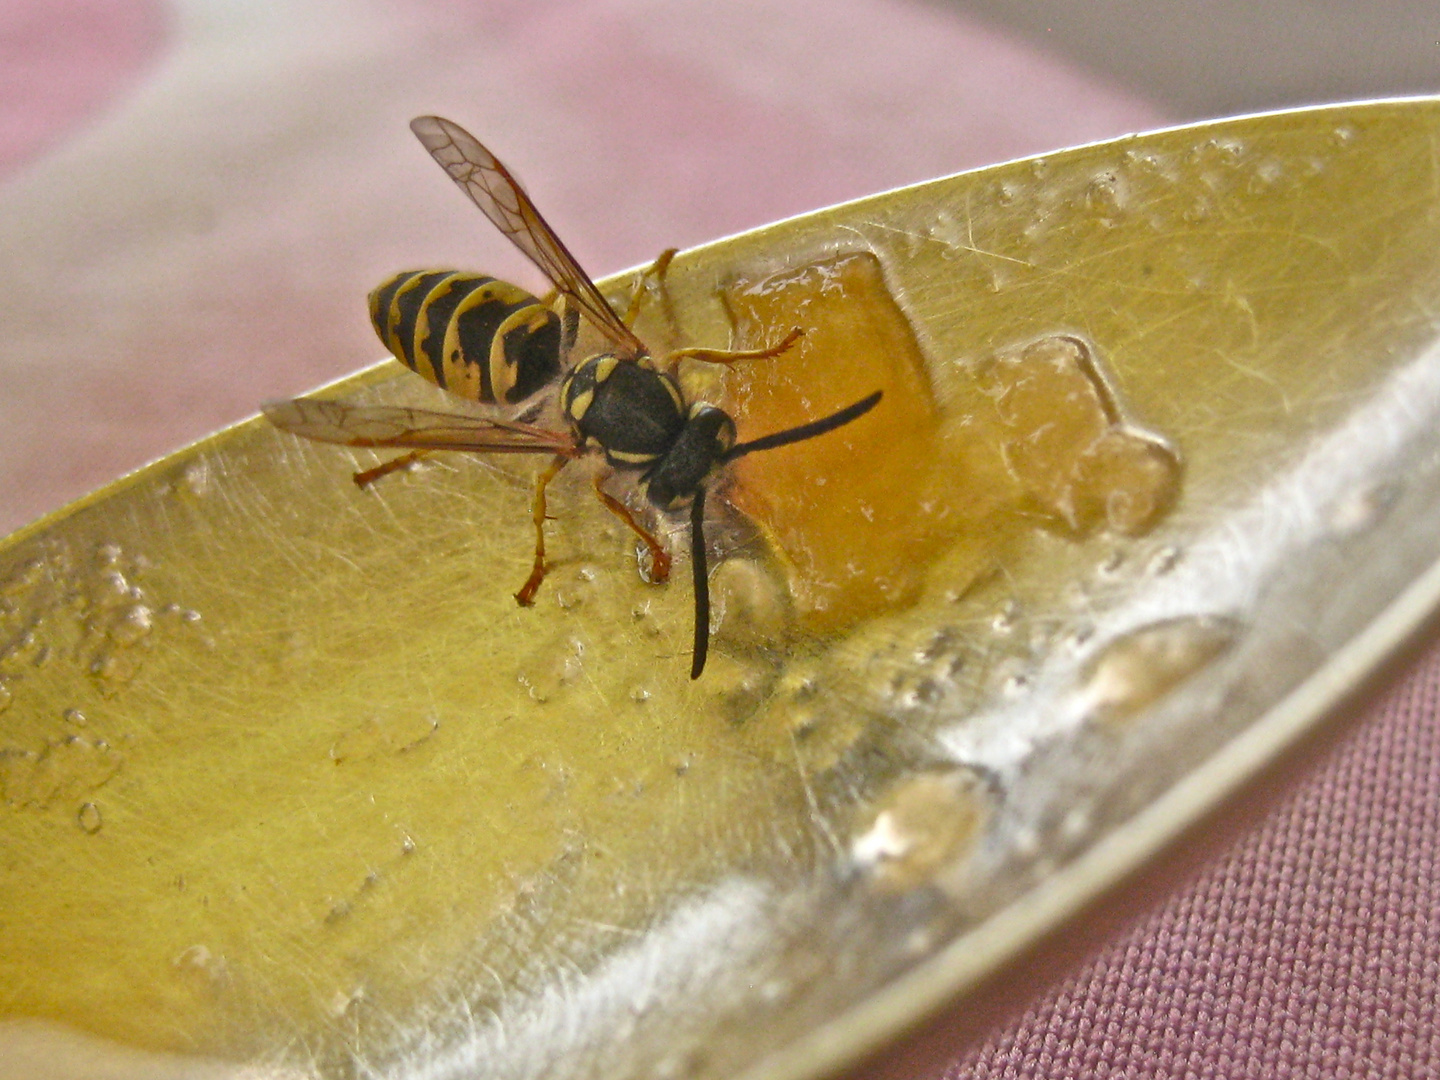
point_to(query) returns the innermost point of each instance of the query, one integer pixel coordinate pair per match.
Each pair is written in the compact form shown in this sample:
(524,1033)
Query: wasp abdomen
(476,336)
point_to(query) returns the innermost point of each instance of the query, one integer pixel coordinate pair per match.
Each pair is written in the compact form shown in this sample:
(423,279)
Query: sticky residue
(1066,446)
(1030,434)
(842,508)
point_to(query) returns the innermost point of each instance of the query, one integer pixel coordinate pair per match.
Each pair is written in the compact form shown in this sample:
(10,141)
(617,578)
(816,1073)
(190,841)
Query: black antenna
(702,583)
(805,431)
(697,512)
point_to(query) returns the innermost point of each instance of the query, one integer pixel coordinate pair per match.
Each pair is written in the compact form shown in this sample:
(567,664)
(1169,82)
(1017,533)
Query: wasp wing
(413,429)
(499,196)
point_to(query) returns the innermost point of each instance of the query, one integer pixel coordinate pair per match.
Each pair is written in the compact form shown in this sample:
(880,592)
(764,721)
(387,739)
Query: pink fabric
(63,61)
(1293,935)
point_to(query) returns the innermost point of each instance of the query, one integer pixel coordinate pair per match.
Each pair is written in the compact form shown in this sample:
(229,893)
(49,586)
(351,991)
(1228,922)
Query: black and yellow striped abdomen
(480,338)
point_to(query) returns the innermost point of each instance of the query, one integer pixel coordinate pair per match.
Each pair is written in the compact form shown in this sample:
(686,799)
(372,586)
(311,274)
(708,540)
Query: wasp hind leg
(732,356)
(659,557)
(366,477)
(526,595)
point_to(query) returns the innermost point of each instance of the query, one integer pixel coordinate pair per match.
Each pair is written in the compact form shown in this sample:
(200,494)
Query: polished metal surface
(1153,485)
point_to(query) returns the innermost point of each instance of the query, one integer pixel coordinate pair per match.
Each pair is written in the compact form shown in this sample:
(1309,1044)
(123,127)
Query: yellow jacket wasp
(488,341)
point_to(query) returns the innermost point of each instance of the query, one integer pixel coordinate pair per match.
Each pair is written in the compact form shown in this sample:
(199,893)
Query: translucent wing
(498,194)
(414,429)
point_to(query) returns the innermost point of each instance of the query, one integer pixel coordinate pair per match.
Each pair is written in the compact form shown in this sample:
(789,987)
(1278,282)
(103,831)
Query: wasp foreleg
(659,557)
(654,272)
(526,595)
(731,356)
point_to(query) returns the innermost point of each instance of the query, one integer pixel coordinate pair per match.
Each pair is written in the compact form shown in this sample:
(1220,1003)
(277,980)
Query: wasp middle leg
(654,272)
(526,595)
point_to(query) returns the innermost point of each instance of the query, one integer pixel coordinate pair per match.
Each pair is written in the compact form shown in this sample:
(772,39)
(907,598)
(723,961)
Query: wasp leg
(526,595)
(366,477)
(659,557)
(654,272)
(729,356)
(569,315)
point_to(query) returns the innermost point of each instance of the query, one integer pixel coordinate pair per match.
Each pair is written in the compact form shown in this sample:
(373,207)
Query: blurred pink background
(196,196)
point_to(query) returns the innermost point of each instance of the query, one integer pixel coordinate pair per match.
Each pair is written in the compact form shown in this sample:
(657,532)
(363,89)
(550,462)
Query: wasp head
(707,437)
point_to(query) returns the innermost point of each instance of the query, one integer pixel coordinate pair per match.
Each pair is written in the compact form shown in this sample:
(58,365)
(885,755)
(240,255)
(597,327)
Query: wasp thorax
(631,411)
(707,437)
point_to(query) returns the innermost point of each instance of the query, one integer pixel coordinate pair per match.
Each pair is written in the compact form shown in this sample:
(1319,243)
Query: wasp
(491,342)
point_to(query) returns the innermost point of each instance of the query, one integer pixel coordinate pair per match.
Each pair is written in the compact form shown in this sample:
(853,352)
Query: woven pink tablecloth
(1295,934)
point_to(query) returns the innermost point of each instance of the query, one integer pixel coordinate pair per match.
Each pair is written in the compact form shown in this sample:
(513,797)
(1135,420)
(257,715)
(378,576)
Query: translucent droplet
(568,599)
(1005,619)
(199,960)
(132,624)
(922,826)
(1163,561)
(89,818)
(111,588)
(196,478)
(1267,175)
(1360,510)
(1076,638)
(342,1002)
(553,673)
(1105,197)
(196,956)
(113,668)
(1141,667)
(176,611)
